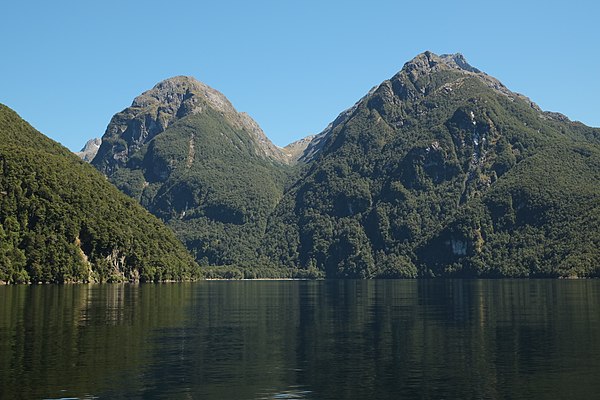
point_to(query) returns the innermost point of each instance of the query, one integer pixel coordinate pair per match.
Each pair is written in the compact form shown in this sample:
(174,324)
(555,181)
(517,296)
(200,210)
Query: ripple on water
(289,394)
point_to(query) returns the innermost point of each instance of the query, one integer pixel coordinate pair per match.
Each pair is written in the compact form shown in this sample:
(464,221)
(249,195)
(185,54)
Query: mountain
(90,150)
(298,149)
(61,221)
(168,102)
(209,172)
(438,171)
(443,171)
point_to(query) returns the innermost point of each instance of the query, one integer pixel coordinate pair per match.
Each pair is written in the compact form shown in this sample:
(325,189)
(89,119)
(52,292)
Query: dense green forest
(61,221)
(218,202)
(210,173)
(542,220)
(441,171)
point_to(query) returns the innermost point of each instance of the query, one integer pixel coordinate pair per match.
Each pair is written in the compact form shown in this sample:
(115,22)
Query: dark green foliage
(234,272)
(440,171)
(541,220)
(426,163)
(60,221)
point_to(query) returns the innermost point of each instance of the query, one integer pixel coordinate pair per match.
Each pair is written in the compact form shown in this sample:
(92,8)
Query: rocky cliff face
(169,101)
(296,149)
(90,150)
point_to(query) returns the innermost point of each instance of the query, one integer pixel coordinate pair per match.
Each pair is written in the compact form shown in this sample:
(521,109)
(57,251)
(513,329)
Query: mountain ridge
(409,171)
(89,150)
(306,147)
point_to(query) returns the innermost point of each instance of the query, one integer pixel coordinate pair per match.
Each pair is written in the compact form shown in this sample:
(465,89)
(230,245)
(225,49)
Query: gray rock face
(90,150)
(458,61)
(155,110)
(427,63)
(296,149)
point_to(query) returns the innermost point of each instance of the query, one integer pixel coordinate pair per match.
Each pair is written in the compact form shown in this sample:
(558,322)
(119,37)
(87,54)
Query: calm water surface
(302,340)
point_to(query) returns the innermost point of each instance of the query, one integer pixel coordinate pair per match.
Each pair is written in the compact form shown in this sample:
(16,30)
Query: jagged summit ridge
(428,63)
(89,150)
(459,61)
(187,95)
(183,90)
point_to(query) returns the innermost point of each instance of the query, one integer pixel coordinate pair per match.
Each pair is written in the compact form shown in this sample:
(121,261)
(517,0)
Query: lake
(429,339)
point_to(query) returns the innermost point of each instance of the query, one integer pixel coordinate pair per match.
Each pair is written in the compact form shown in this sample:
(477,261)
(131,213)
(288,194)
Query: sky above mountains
(68,66)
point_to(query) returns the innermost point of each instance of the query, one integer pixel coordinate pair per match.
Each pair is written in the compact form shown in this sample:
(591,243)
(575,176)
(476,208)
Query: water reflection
(302,340)
(290,394)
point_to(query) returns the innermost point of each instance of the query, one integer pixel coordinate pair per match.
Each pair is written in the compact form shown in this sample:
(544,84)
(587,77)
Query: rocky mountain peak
(296,149)
(428,63)
(422,64)
(178,91)
(458,61)
(412,83)
(167,91)
(170,100)
(89,150)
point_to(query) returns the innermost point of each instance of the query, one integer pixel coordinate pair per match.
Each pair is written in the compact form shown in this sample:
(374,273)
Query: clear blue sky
(68,66)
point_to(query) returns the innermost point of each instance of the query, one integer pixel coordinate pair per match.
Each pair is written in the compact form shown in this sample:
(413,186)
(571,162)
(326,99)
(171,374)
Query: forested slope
(443,171)
(61,221)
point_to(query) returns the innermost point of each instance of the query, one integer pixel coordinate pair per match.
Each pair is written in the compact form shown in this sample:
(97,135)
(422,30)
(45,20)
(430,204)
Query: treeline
(236,273)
